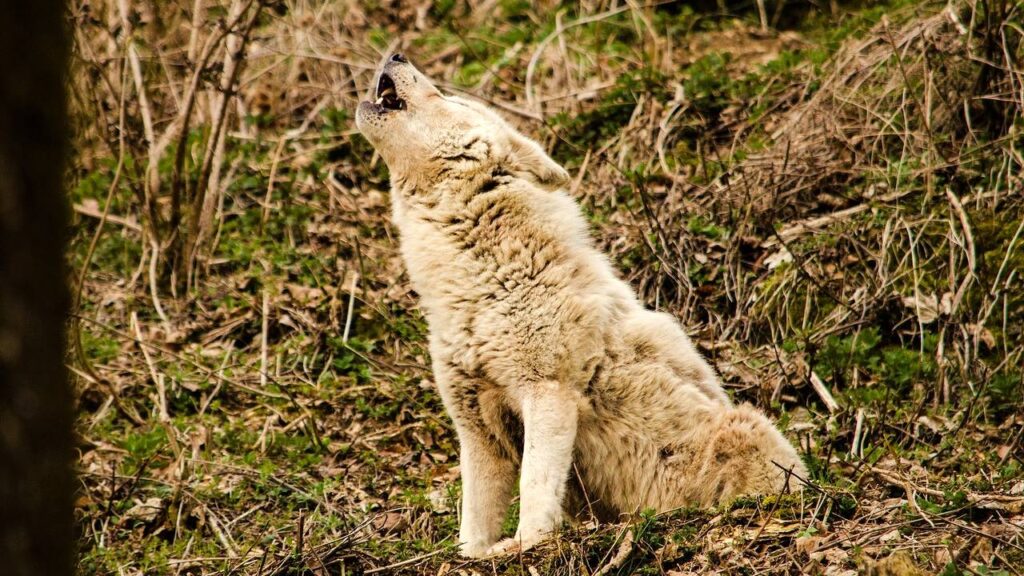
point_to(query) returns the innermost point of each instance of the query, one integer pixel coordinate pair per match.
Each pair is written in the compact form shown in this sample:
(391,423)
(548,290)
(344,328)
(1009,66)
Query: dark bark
(36,482)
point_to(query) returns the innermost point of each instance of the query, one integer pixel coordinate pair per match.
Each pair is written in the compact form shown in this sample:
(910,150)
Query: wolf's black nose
(396,57)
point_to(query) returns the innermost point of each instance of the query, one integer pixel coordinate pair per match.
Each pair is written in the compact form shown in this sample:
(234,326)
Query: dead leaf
(390,522)
(439,500)
(982,551)
(831,556)
(890,536)
(925,306)
(946,304)
(147,511)
(776,528)
(779,258)
(807,544)
(898,564)
(982,334)
(304,294)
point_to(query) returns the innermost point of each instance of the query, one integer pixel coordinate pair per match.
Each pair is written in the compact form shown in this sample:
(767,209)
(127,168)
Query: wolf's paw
(518,543)
(505,547)
(475,549)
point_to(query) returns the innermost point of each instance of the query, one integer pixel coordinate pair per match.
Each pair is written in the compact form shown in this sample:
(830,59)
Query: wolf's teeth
(380,100)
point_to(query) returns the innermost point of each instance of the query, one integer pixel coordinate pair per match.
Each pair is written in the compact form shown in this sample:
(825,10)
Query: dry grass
(834,210)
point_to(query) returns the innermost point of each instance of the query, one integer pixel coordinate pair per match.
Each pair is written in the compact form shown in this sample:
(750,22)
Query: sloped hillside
(829,198)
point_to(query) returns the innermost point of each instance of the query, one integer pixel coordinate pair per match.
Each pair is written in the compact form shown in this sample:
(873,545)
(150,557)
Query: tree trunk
(36,482)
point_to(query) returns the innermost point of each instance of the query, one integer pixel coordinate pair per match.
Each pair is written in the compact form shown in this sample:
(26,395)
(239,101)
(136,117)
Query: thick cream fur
(552,371)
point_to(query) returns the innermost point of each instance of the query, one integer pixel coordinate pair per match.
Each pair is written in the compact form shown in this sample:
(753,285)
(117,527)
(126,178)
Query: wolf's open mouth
(387,95)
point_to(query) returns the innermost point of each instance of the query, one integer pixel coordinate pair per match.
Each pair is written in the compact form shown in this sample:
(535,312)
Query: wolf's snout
(399,57)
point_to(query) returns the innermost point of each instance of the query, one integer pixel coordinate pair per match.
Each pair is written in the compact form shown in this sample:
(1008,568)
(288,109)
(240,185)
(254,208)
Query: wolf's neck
(442,195)
(434,243)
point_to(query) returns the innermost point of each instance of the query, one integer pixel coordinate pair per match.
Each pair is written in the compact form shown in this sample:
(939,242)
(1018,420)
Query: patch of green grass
(828,31)
(702,226)
(1005,390)
(511,522)
(99,346)
(709,86)
(142,445)
(145,555)
(894,366)
(349,358)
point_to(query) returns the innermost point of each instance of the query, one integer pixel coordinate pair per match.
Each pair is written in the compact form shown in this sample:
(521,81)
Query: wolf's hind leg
(746,454)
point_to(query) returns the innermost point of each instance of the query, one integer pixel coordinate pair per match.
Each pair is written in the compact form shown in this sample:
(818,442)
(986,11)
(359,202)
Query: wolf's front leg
(487,480)
(550,414)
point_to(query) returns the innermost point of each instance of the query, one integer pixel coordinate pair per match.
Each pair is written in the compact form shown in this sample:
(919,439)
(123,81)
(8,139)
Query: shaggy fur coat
(552,371)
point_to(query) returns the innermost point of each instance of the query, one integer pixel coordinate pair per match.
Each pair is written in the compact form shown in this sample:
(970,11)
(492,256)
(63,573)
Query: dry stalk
(281,143)
(76,303)
(158,378)
(127,223)
(133,59)
(621,555)
(263,337)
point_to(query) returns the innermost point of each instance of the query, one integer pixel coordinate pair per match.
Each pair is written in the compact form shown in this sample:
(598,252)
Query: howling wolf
(546,361)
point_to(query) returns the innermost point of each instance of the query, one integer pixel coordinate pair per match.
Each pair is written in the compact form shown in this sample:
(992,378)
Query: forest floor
(831,202)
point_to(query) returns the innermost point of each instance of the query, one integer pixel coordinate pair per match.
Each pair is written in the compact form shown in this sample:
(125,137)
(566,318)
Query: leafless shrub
(190,81)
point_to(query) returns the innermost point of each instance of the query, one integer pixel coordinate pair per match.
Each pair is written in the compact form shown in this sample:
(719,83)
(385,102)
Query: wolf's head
(424,135)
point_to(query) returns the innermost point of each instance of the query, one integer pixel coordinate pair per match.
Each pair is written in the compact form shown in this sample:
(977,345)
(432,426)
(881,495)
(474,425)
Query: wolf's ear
(527,159)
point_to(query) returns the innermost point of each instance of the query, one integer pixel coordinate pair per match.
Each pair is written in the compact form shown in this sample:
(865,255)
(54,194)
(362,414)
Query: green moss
(142,446)
(99,347)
